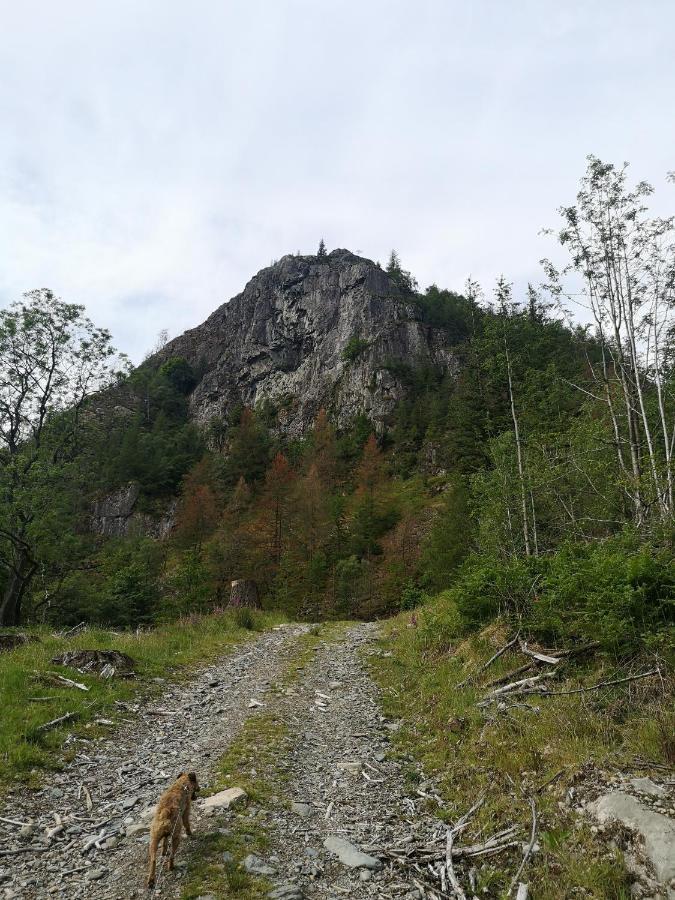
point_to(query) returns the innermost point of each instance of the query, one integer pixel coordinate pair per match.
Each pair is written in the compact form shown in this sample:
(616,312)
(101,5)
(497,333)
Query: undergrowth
(519,752)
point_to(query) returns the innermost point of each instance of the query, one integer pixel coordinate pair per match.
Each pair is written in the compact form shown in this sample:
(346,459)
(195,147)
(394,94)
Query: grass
(29,698)
(511,755)
(252,762)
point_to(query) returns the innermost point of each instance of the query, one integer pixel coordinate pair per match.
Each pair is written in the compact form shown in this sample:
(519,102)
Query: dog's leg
(154,841)
(165,845)
(186,820)
(175,841)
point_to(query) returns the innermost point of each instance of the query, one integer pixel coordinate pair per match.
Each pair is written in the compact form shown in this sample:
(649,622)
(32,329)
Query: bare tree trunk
(519,454)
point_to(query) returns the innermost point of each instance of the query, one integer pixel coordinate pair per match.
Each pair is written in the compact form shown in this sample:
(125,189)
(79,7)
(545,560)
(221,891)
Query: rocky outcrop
(306,333)
(116,515)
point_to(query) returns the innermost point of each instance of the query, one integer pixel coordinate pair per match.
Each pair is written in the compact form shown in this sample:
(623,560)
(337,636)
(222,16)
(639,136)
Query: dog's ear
(193,777)
(180,775)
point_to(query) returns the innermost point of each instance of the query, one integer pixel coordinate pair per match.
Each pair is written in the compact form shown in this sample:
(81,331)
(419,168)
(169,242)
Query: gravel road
(343,799)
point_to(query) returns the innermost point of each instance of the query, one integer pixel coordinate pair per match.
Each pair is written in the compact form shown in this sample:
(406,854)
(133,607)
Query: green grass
(509,756)
(168,652)
(252,762)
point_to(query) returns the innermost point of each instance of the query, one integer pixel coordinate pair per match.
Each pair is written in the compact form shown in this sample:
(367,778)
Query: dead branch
(528,849)
(514,673)
(601,684)
(540,657)
(450,869)
(56,722)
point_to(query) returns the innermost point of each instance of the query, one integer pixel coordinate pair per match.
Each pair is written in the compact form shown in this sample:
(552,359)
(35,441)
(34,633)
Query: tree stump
(244,592)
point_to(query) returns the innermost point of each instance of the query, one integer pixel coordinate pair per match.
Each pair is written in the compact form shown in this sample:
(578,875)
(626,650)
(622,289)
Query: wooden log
(244,592)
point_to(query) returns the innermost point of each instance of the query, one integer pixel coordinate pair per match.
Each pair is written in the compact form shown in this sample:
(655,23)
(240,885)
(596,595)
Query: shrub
(354,348)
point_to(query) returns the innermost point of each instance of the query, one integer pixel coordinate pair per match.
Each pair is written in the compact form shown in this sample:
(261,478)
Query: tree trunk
(245,593)
(17,582)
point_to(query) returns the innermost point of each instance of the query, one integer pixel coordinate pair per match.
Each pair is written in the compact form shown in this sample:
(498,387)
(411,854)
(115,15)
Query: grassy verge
(30,697)
(511,754)
(254,762)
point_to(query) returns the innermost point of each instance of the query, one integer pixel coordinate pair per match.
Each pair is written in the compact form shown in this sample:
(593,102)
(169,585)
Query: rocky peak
(310,332)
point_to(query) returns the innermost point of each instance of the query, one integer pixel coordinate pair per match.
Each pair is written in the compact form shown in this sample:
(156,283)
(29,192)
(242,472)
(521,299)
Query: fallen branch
(528,849)
(514,673)
(450,869)
(30,849)
(524,685)
(56,722)
(71,631)
(549,781)
(540,657)
(69,681)
(14,822)
(601,684)
(523,891)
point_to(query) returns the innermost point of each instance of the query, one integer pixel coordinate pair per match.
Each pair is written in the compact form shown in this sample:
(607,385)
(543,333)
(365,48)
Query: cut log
(244,592)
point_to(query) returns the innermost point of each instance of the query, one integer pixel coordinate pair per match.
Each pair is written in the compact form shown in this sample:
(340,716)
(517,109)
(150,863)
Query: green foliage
(179,373)
(620,592)
(354,347)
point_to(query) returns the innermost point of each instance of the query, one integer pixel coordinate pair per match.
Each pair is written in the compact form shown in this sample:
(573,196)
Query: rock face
(306,333)
(116,515)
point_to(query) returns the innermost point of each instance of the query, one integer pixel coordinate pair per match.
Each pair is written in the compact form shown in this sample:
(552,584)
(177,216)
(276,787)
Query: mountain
(309,332)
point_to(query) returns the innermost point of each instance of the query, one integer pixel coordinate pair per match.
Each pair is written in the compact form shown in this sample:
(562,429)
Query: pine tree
(322,249)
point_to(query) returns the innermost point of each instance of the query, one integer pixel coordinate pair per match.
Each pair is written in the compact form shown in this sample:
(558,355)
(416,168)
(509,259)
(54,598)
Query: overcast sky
(155,154)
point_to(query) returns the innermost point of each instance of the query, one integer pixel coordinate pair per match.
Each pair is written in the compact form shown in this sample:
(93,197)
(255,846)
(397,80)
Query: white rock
(657,831)
(648,787)
(349,855)
(226,799)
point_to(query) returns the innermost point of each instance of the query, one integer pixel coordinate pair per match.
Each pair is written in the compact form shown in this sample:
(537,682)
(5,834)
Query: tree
(626,264)
(399,275)
(278,481)
(324,449)
(322,249)
(52,360)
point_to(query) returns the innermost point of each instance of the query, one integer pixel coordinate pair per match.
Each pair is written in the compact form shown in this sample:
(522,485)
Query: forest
(535,484)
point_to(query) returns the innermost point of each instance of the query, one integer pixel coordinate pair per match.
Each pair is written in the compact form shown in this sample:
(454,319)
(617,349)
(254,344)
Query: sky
(155,154)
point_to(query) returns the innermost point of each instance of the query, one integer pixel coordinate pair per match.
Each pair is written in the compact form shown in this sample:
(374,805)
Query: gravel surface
(339,798)
(347,799)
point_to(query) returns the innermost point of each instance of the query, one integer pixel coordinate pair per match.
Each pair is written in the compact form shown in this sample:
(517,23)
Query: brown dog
(173,811)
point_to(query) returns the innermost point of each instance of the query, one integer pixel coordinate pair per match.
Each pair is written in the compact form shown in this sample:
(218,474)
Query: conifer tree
(322,249)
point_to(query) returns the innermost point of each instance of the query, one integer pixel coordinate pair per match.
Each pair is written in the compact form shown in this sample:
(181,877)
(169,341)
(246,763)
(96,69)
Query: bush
(354,348)
(620,595)
(618,592)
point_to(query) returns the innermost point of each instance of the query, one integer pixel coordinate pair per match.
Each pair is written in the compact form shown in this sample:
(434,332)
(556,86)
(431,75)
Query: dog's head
(191,779)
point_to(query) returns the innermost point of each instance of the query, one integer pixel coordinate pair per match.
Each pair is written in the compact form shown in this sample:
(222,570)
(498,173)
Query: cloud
(154,155)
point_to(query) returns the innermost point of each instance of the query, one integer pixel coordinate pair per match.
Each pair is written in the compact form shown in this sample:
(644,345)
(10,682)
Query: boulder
(657,832)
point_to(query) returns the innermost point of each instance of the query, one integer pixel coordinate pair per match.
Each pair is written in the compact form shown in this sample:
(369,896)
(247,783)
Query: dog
(172,814)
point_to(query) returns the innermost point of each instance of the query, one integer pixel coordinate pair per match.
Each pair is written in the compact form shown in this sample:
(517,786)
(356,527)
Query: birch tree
(622,270)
